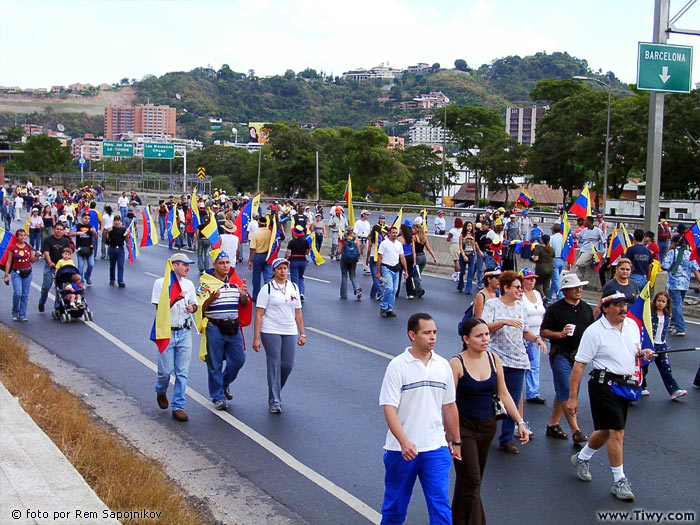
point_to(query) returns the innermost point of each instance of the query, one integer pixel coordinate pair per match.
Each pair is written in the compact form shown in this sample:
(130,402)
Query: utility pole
(259,162)
(82,165)
(184,172)
(317,193)
(444,153)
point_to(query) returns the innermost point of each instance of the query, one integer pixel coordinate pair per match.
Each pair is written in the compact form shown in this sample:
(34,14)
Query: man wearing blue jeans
(390,260)
(563,324)
(52,249)
(556,241)
(417,418)
(175,358)
(679,266)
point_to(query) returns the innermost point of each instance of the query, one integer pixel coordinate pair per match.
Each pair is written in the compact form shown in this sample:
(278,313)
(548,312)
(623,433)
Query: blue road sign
(81,161)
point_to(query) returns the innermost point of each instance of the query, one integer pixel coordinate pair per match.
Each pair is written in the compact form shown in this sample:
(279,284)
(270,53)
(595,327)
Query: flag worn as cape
(208,284)
(149,237)
(568,253)
(161,331)
(582,206)
(693,238)
(194,205)
(171,225)
(348,202)
(211,231)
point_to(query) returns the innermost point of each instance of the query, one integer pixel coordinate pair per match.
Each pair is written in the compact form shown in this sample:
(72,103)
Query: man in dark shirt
(482,242)
(563,324)
(115,241)
(51,248)
(641,259)
(85,243)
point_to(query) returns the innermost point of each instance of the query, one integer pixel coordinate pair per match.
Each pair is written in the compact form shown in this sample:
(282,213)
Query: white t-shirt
(535,312)
(123,202)
(362,228)
(253,226)
(418,391)
(229,244)
(659,329)
(280,304)
(455,232)
(390,251)
(606,348)
(178,314)
(493,236)
(440,224)
(107,221)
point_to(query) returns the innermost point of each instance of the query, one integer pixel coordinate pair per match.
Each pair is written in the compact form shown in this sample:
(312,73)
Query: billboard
(258,133)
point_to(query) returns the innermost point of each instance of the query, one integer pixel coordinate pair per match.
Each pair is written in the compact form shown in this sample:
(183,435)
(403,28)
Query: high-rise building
(147,119)
(521,123)
(423,133)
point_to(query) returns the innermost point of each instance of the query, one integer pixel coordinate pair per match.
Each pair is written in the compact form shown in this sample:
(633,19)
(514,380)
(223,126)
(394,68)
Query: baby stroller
(62,310)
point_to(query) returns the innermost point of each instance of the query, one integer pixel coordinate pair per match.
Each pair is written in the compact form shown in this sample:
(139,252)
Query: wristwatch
(456,443)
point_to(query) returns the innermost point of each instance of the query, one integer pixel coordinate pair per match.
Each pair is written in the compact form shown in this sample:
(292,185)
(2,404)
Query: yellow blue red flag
(161,331)
(582,206)
(348,201)
(149,237)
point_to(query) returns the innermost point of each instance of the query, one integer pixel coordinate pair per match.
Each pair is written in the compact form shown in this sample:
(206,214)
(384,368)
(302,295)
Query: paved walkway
(37,483)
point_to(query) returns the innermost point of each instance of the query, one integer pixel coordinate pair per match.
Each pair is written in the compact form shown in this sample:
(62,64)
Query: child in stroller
(74,292)
(70,292)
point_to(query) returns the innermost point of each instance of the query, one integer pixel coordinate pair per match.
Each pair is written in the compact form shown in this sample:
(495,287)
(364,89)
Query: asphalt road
(323,456)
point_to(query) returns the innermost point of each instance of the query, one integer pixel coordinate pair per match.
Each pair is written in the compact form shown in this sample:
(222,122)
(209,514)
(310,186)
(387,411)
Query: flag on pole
(348,201)
(424,215)
(640,313)
(617,247)
(693,238)
(568,253)
(243,219)
(161,331)
(196,219)
(274,240)
(582,206)
(316,257)
(525,198)
(149,237)
(7,240)
(597,259)
(627,237)
(131,246)
(211,231)
(397,219)
(171,225)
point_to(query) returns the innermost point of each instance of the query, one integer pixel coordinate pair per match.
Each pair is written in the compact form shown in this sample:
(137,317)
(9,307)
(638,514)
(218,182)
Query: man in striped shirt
(224,340)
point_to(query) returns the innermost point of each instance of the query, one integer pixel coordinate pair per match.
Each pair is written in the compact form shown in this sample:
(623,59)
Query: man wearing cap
(563,324)
(525,224)
(175,359)
(336,223)
(440,225)
(225,295)
(362,230)
(259,246)
(611,345)
(679,267)
(587,237)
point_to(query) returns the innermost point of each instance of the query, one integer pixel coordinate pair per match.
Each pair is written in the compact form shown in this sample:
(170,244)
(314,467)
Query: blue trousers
(468,268)
(116,259)
(46,283)
(391,286)
(85,266)
(677,319)
(640,280)
(222,348)
(203,246)
(532,376)
(664,366)
(555,285)
(261,270)
(433,470)
(479,271)
(161,224)
(175,359)
(514,384)
(296,274)
(20,294)
(376,290)
(35,238)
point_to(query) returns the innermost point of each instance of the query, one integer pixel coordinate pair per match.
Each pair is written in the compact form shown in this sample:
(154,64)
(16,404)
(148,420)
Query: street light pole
(444,152)
(607,134)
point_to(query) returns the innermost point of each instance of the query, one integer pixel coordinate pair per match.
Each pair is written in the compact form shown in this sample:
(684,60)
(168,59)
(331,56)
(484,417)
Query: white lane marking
(316,279)
(351,343)
(174,249)
(436,276)
(343,495)
(153,275)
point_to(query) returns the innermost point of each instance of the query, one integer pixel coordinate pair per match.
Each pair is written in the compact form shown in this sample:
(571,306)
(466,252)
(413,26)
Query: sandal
(555,431)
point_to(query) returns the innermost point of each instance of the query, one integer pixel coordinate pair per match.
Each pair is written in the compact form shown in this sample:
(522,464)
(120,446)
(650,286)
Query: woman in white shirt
(107,223)
(534,308)
(278,326)
(453,238)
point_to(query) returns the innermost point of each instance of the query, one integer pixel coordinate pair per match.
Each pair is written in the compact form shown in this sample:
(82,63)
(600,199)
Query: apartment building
(381,71)
(422,132)
(396,143)
(91,145)
(522,122)
(147,119)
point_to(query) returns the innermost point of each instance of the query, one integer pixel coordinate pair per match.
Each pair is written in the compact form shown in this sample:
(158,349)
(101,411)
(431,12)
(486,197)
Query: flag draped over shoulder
(568,253)
(693,238)
(274,241)
(348,202)
(525,198)
(7,240)
(131,246)
(243,219)
(161,331)
(211,231)
(582,206)
(149,237)
(397,219)
(316,257)
(171,225)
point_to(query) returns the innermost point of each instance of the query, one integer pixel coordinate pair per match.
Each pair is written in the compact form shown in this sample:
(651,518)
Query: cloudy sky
(43,43)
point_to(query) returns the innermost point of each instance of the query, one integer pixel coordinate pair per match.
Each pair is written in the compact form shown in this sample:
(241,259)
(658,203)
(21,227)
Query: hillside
(314,98)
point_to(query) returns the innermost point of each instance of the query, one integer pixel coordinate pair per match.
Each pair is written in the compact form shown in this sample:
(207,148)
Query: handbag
(499,409)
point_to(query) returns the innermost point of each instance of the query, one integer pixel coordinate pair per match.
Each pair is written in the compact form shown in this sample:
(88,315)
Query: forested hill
(323,100)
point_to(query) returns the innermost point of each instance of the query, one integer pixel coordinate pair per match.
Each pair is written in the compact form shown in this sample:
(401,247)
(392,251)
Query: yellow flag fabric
(424,214)
(628,242)
(26,225)
(317,258)
(162,324)
(208,284)
(348,198)
(397,219)
(655,269)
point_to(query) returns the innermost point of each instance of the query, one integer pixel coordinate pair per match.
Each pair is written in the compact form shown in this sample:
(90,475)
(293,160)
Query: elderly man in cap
(337,223)
(175,359)
(440,226)
(362,230)
(563,324)
(611,346)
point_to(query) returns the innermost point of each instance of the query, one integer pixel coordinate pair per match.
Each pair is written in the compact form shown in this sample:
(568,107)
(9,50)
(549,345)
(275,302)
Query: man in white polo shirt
(611,345)
(362,230)
(418,397)
(390,260)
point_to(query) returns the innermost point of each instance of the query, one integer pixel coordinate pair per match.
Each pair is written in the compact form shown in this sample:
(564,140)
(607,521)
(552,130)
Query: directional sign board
(158,151)
(81,161)
(201,172)
(664,67)
(112,148)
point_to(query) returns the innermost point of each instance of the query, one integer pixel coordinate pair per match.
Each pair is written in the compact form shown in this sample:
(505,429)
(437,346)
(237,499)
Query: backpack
(350,252)
(469,312)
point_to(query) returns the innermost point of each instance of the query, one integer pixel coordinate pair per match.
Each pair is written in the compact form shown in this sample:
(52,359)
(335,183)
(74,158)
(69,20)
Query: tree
(461,65)
(436,66)
(425,167)
(44,154)
(501,161)
(13,133)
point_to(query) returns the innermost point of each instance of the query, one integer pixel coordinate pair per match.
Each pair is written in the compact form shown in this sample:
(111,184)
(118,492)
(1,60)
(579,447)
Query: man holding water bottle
(563,324)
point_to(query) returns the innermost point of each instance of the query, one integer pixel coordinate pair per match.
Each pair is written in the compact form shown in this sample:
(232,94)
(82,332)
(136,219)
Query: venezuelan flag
(397,219)
(617,246)
(597,259)
(243,219)
(693,238)
(525,198)
(196,219)
(149,237)
(582,206)
(640,313)
(316,257)
(131,246)
(274,241)
(171,225)
(568,253)
(7,240)
(627,238)
(211,231)
(161,331)
(348,201)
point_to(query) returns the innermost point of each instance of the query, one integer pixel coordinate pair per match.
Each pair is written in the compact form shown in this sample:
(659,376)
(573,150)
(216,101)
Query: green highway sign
(664,67)
(158,151)
(112,148)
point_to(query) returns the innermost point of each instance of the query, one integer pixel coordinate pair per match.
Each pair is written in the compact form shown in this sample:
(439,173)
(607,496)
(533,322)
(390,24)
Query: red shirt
(654,249)
(21,257)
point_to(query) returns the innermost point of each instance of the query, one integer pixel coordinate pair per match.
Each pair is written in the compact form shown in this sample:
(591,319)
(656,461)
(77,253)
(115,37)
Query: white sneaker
(455,276)
(678,394)
(645,392)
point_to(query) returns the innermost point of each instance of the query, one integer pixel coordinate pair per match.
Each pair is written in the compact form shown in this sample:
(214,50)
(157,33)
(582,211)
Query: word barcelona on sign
(664,67)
